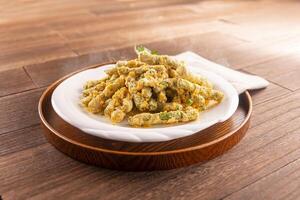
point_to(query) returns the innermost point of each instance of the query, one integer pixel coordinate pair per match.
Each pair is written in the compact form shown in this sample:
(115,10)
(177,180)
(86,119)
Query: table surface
(40,41)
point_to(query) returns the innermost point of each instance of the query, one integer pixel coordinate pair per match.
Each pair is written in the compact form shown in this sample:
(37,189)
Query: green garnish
(189,102)
(165,116)
(178,115)
(154,52)
(139,48)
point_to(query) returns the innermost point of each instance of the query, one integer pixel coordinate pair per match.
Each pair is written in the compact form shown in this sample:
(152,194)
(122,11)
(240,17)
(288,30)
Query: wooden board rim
(82,145)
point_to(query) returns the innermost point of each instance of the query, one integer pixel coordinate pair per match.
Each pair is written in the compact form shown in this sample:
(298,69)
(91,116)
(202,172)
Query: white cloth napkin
(239,80)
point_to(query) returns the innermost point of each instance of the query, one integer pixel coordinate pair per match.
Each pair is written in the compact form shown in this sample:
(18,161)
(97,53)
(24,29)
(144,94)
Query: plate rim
(106,130)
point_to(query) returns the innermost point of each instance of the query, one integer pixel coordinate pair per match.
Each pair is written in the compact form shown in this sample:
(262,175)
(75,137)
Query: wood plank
(272,109)
(255,26)
(129,22)
(146,18)
(34,9)
(46,73)
(38,54)
(284,71)
(20,140)
(236,56)
(19,110)
(243,55)
(282,184)
(136,5)
(265,95)
(43,21)
(97,24)
(15,31)
(23,45)
(210,45)
(39,166)
(14,81)
(28,41)
(128,37)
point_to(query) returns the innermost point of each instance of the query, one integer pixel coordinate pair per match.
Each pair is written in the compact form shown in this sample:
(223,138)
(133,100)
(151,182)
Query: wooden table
(40,41)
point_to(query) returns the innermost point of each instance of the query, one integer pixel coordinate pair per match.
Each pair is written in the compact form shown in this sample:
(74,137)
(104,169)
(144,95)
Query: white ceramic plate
(66,97)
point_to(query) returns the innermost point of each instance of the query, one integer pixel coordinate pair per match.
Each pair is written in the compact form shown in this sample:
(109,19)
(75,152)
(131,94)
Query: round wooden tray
(180,152)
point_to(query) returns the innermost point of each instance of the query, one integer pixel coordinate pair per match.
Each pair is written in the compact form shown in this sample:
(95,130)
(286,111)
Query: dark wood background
(40,41)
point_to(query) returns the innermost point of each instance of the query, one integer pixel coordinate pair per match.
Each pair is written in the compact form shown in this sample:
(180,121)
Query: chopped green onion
(154,52)
(139,48)
(189,102)
(165,116)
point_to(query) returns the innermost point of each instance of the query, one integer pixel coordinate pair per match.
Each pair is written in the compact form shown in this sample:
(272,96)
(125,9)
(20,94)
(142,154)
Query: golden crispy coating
(157,87)
(172,106)
(167,117)
(119,105)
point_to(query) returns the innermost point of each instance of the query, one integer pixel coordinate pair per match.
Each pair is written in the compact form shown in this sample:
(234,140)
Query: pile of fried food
(152,89)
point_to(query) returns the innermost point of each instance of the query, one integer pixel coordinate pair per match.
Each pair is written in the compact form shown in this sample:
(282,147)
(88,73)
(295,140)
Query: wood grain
(255,26)
(21,139)
(16,80)
(265,95)
(54,38)
(38,45)
(48,72)
(284,182)
(19,110)
(285,71)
